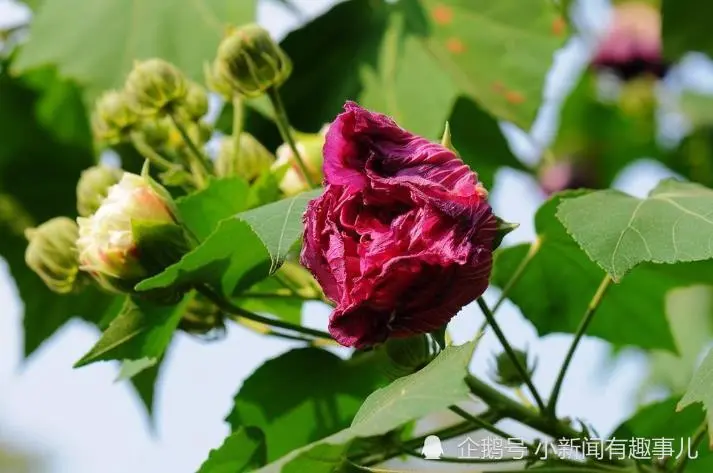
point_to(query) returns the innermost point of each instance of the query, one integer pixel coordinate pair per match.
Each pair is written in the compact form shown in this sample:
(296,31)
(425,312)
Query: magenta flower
(402,237)
(632,46)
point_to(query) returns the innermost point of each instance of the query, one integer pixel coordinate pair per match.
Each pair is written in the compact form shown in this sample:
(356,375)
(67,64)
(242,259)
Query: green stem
(238,122)
(519,271)
(480,423)
(522,371)
(227,306)
(151,154)
(510,408)
(197,160)
(443,433)
(583,325)
(470,460)
(680,465)
(283,125)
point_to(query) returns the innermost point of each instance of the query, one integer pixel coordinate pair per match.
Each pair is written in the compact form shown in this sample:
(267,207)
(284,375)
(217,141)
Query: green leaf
(284,307)
(203,210)
(559,281)
(141,330)
(376,49)
(138,30)
(330,393)
(38,175)
(671,225)
(144,383)
(279,224)
(660,420)
(479,142)
(131,368)
(517,40)
(701,388)
(59,108)
(685,29)
(242,251)
(433,388)
(242,451)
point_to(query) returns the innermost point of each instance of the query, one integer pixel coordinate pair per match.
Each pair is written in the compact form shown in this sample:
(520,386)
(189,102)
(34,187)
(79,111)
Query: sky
(81,421)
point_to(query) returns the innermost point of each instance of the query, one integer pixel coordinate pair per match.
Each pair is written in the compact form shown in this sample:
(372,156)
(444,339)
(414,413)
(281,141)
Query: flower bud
(216,82)
(113,118)
(251,62)
(196,102)
(506,373)
(134,234)
(156,132)
(202,317)
(93,186)
(155,86)
(309,146)
(52,254)
(252,160)
(405,356)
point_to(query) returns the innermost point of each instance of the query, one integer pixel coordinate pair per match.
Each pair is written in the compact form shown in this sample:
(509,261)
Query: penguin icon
(432,449)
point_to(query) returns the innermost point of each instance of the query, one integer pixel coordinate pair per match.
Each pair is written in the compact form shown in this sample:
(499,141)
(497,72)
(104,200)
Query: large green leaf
(560,280)
(671,225)
(242,251)
(435,387)
(141,330)
(243,450)
(660,420)
(479,141)
(184,32)
(322,400)
(38,174)
(516,40)
(203,210)
(376,50)
(685,28)
(701,388)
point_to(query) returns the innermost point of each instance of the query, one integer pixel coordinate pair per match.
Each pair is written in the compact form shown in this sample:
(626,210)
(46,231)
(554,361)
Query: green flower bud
(251,61)
(301,280)
(155,86)
(133,235)
(113,118)
(196,103)
(52,254)
(404,356)
(157,132)
(505,372)
(250,163)
(309,146)
(93,186)
(216,82)
(202,317)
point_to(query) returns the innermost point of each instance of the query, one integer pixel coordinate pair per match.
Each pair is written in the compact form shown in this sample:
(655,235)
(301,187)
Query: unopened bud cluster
(129,227)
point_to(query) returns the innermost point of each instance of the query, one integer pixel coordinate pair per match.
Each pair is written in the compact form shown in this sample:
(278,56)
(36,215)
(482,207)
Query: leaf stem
(583,325)
(514,279)
(680,465)
(480,423)
(197,160)
(227,306)
(238,122)
(522,371)
(443,433)
(283,125)
(151,154)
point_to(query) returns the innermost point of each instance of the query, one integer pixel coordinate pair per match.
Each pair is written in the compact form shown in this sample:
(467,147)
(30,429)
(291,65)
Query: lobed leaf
(673,224)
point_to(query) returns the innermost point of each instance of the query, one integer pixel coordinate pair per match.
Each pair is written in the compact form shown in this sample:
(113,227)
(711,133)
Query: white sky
(84,423)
